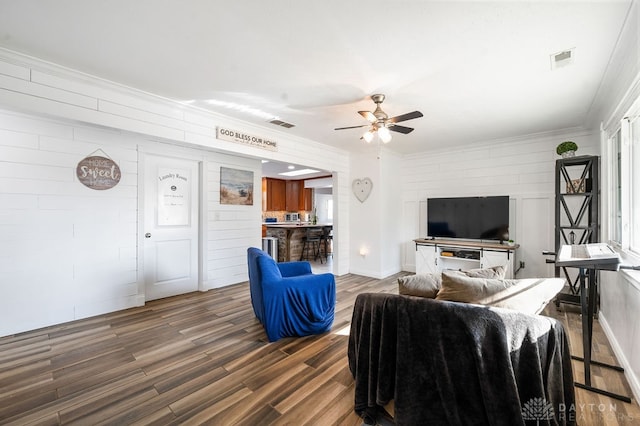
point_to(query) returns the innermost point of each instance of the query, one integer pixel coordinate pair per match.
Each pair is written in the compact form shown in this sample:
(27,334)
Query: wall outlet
(522,264)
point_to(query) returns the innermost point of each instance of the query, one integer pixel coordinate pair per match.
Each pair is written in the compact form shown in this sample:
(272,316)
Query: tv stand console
(436,255)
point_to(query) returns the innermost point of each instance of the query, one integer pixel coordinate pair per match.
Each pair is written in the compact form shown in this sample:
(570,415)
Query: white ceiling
(275,169)
(477,70)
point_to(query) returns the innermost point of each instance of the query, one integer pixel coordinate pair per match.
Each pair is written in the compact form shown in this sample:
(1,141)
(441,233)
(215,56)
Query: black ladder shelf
(576,215)
(577,222)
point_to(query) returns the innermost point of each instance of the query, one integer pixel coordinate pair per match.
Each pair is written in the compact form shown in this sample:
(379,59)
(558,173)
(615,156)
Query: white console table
(436,255)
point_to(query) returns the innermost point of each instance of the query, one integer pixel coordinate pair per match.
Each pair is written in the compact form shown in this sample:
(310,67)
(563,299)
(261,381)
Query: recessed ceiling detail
(299,172)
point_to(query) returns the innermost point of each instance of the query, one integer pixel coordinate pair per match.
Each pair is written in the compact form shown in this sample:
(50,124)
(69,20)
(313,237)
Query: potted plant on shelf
(567,149)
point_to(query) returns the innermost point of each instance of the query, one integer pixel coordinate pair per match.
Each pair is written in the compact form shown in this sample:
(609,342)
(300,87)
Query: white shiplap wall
(230,229)
(66,251)
(87,241)
(523,169)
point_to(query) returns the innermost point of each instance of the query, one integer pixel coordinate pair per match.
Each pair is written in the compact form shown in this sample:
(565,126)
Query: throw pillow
(428,285)
(493,272)
(529,295)
(421,285)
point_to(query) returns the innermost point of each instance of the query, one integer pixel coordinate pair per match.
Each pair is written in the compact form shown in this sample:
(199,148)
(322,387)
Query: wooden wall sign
(98,172)
(246,139)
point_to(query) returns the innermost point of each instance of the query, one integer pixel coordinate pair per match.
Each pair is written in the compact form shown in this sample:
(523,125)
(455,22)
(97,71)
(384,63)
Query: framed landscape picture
(236,186)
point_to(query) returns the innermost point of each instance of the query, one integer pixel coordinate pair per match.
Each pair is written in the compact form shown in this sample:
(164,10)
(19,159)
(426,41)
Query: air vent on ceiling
(282,123)
(562,59)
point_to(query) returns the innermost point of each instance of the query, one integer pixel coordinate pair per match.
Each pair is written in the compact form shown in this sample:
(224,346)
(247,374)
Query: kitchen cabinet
(301,198)
(274,194)
(286,195)
(292,196)
(306,197)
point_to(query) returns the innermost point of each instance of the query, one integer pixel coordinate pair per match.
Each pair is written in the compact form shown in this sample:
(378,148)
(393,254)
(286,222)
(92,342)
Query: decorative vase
(568,154)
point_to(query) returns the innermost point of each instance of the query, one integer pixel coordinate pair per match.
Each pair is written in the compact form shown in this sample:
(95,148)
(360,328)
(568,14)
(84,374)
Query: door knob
(147,235)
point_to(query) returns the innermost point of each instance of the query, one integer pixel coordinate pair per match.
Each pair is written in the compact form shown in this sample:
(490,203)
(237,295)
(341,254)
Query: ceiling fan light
(368,136)
(385,135)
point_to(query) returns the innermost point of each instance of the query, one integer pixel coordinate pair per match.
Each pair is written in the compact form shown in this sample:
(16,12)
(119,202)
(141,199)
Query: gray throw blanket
(448,363)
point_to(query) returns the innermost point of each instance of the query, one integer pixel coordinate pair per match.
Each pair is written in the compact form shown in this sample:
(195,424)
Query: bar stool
(326,241)
(311,241)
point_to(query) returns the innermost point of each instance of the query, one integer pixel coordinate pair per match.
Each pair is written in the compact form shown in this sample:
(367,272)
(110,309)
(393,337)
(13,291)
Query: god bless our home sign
(98,172)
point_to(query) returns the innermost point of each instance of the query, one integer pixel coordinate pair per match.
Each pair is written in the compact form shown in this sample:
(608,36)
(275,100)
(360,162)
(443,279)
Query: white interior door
(171,188)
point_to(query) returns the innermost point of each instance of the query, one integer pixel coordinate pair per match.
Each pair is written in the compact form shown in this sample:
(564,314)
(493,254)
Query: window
(616,200)
(624,165)
(634,170)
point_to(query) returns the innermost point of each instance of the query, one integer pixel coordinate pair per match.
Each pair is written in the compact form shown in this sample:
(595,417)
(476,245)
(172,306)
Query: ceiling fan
(380,122)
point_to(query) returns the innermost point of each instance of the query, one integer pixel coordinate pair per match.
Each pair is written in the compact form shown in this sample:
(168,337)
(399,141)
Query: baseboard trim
(634,382)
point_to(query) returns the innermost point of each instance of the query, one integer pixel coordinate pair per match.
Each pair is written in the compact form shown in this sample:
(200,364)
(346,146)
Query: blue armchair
(287,298)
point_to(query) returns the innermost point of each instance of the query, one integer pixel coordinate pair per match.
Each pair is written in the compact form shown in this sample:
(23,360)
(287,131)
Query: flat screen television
(476,218)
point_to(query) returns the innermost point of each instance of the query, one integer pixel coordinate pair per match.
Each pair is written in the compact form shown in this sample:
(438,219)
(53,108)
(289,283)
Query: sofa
(446,362)
(287,298)
(486,286)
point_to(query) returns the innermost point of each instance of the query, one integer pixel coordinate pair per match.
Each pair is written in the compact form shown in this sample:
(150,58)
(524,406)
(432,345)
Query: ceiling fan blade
(400,129)
(350,127)
(368,115)
(405,117)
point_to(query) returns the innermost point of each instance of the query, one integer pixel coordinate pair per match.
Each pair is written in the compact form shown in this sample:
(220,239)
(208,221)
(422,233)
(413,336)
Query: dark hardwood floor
(203,358)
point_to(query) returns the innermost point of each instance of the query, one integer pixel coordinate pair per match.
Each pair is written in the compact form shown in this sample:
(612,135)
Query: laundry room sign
(174,197)
(98,172)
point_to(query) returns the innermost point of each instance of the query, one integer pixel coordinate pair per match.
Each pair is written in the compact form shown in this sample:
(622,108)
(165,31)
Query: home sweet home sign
(98,172)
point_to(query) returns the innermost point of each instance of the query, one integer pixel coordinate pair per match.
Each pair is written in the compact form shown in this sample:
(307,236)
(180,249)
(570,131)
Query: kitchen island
(290,237)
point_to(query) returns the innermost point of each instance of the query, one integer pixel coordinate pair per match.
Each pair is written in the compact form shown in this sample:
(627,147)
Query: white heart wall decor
(362,188)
